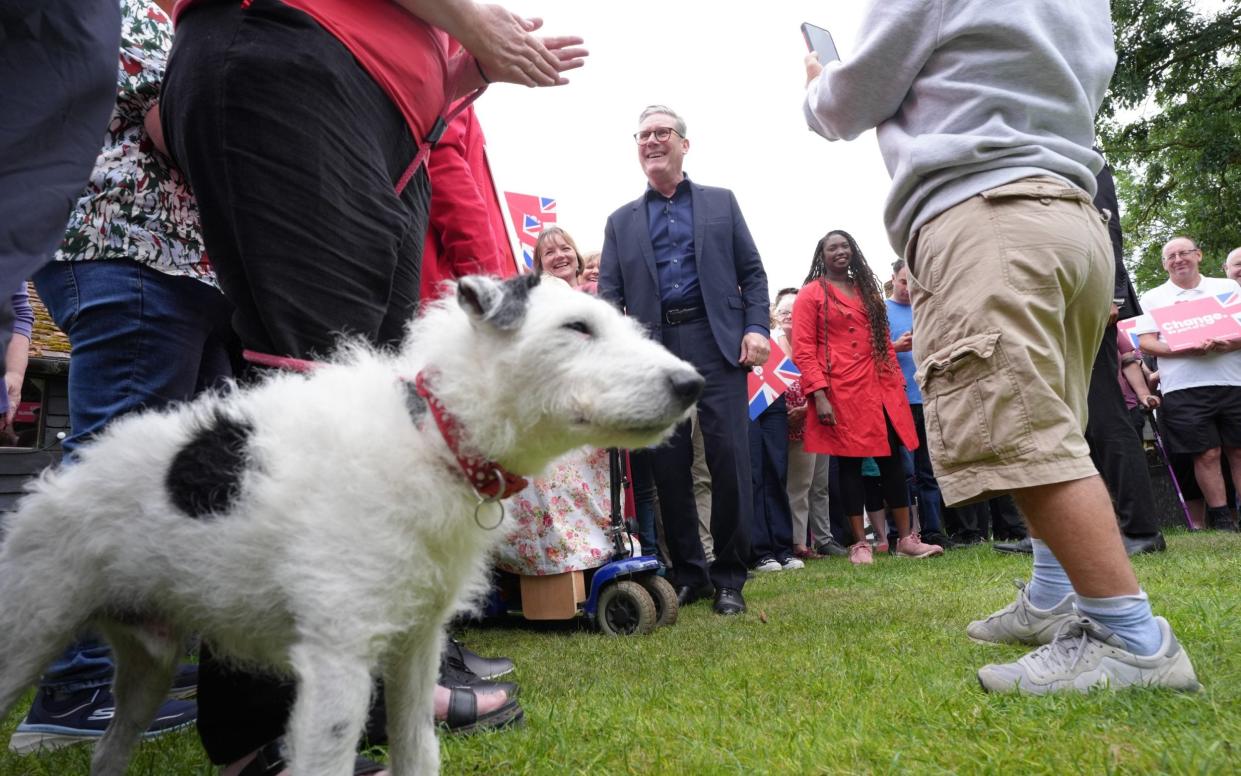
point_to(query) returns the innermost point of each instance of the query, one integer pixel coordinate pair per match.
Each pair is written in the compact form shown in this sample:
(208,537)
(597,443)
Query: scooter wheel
(665,597)
(626,609)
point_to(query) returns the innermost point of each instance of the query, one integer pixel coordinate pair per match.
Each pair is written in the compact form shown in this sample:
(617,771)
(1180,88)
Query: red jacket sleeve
(807,345)
(459,214)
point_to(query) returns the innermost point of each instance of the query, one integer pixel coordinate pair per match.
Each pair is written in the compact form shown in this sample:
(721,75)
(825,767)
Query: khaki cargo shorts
(1011,292)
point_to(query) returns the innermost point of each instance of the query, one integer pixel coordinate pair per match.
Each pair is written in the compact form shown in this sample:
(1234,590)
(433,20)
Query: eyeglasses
(661,134)
(1185,254)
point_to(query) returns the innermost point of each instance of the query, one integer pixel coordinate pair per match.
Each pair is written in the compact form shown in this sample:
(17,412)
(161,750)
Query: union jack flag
(769,382)
(1231,302)
(530,215)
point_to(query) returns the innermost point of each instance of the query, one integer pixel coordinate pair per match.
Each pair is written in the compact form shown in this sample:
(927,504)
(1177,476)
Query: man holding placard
(1190,328)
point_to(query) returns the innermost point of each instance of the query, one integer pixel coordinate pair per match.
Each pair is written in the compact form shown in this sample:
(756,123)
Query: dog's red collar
(489,479)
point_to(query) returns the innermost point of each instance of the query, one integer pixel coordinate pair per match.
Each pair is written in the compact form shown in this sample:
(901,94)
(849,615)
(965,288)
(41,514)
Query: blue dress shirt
(672,239)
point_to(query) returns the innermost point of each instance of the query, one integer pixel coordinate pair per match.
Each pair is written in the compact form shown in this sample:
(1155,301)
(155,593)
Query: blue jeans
(922,483)
(139,339)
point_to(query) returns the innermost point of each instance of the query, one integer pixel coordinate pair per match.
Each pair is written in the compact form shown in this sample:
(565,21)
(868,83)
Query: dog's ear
(500,304)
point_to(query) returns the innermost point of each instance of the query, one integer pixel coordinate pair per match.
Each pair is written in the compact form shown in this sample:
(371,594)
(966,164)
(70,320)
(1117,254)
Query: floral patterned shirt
(136,205)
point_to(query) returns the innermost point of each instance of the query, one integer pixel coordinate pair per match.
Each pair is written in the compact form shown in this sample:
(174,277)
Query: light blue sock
(1129,617)
(1049,584)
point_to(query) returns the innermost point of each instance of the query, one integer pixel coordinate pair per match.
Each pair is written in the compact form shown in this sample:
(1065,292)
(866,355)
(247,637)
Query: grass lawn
(836,670)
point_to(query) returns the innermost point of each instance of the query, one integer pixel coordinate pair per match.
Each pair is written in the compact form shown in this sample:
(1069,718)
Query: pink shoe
(859,554)
(882,547)
(912,547)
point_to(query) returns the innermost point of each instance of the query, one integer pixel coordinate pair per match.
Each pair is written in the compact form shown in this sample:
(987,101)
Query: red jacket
(466,234)
(860,392)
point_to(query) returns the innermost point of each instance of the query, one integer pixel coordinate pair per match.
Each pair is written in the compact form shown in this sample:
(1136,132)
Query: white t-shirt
(1176,374)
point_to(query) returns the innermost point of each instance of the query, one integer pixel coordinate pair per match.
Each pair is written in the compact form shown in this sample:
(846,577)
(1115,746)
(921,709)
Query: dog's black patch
(510,310)
(414,404)
(204,477)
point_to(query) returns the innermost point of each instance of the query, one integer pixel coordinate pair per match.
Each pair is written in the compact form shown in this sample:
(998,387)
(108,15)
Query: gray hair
(678,122)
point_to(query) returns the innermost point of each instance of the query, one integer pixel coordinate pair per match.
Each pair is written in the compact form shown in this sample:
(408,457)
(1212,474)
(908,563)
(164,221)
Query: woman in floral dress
(560,521)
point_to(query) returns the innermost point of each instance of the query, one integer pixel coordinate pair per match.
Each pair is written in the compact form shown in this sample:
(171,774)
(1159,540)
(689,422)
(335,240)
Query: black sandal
(463,715)
(271,760)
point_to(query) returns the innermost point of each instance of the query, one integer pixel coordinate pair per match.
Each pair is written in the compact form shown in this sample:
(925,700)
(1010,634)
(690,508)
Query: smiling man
(1202,385)
(1232,265)
(680,259)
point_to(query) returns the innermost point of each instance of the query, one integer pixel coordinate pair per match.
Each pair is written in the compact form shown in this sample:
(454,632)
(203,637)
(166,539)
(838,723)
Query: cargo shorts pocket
(975,411)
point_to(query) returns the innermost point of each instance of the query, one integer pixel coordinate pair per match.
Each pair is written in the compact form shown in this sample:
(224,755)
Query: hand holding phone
(819,41)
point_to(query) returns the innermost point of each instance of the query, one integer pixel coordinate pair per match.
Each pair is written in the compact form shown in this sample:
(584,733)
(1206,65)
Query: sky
(734,72)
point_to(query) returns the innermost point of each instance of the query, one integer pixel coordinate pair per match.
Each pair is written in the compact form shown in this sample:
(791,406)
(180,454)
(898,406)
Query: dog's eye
(579,326)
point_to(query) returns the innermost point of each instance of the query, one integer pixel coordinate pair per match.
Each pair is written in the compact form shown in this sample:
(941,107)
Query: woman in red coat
(850,374)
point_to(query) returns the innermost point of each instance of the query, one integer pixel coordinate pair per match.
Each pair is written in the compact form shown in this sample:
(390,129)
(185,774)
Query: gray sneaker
(1084,656)
(1021,623)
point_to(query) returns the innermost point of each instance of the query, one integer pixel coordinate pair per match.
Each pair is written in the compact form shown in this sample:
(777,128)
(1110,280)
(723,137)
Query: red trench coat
(858,390)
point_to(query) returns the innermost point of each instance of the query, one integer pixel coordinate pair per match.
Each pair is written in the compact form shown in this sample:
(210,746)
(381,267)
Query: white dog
(321,526)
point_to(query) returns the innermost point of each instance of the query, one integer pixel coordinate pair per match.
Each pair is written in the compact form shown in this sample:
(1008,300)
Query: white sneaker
(792,564)
(1085,655)
(1021,622)
(771,564)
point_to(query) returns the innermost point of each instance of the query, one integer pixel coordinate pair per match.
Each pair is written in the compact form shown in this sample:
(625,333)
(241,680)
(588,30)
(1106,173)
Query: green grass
(852,671)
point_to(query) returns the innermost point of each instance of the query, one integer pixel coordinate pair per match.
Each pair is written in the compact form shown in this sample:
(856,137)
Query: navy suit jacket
(730,272)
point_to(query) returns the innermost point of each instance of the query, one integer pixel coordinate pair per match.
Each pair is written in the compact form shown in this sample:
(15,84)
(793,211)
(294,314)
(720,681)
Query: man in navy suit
(680,259)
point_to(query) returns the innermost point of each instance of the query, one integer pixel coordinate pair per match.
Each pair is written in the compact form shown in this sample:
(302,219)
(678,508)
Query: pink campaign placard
(1187,324)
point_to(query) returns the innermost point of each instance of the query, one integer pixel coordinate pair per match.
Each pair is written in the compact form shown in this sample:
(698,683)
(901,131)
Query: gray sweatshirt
(968,95)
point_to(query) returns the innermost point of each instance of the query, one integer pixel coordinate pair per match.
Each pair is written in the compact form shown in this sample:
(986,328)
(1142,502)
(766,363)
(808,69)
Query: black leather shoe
(1023,547)
(729,601)
(1138,545)
(687,595)
(1221,519)
(939,540)
(488,668)
(833,548)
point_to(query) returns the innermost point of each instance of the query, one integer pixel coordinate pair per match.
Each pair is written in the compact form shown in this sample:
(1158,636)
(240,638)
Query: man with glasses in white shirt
(1201,385)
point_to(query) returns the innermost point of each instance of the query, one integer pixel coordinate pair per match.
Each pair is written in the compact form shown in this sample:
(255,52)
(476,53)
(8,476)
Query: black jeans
(293,152)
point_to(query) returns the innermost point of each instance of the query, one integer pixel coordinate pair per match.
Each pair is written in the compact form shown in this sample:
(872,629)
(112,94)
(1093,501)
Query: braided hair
(868,289)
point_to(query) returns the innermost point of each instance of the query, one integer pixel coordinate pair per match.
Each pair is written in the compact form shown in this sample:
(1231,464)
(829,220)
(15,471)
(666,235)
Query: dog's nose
(686,385)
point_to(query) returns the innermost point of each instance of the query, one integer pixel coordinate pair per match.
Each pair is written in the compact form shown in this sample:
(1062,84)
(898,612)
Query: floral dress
(560,521)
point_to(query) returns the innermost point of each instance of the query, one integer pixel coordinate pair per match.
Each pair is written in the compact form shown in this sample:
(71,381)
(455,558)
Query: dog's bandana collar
(491,480)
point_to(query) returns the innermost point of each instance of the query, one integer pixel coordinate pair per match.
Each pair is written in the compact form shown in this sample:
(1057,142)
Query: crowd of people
(248,199)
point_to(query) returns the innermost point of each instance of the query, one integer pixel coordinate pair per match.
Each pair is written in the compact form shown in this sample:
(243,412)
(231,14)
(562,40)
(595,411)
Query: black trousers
(997,517)
(292,151)
(1115,446)
(724,417)
(771,534)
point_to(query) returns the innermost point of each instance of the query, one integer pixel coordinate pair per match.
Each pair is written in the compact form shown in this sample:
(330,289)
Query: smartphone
(819,41)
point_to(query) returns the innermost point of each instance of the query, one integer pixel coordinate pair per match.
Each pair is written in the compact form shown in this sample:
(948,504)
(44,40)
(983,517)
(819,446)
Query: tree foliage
(1171,128)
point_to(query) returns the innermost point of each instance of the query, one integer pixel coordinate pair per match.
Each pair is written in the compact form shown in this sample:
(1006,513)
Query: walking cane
(1171,474)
